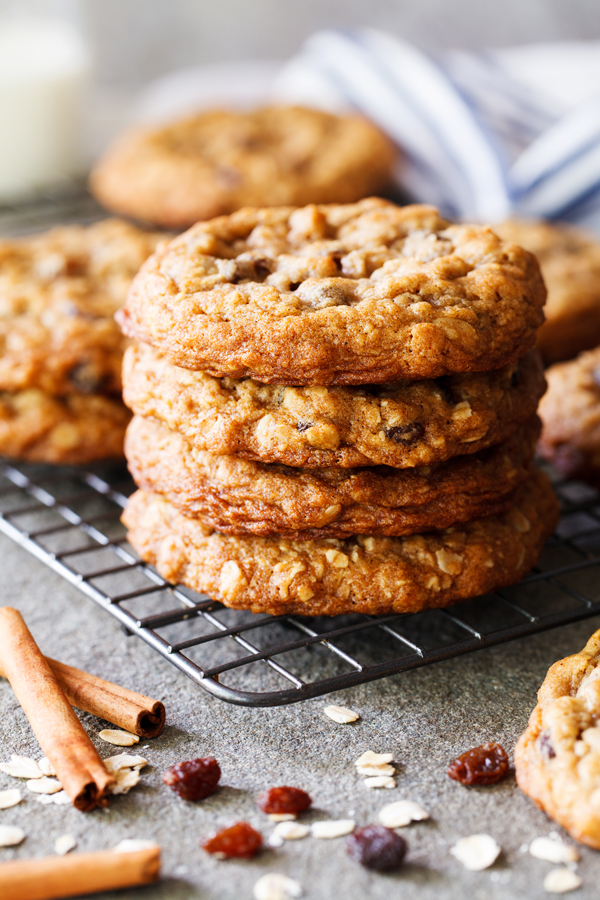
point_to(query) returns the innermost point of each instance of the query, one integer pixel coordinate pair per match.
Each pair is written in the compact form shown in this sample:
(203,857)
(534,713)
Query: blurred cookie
(215,162)
(360,575)
(403,424)
(570,414)
(557,759)
(59,291)
(570,262)
(236,496)
(39,427)
(356,294)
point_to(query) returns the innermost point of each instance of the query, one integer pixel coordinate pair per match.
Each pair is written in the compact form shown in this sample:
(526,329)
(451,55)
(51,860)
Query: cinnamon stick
(76,762)
(130,711)
(51,877)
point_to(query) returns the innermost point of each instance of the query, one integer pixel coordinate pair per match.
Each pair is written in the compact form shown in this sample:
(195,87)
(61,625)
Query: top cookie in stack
(335,409)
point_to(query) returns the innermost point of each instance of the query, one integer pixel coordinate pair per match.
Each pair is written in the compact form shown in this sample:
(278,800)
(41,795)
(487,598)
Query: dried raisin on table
(486,764)
(194,779)
(377,847)
(239,840)
(284,800)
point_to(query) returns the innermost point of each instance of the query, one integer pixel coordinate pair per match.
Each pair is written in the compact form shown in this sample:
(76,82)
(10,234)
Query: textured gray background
(425,717)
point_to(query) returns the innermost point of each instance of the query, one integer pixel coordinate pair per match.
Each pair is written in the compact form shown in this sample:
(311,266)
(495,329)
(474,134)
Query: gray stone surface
(425,717)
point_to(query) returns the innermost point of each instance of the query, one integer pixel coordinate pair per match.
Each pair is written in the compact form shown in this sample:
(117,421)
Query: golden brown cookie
(570,262)
(215,162)
(557,759)
(40,427)
(59,291)
(404,424)
(236,496)
(570,413)
(361,574)
(356,294)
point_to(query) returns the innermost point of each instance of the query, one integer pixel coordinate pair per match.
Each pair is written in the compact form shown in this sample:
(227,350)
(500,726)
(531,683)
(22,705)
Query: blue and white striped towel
(484,135)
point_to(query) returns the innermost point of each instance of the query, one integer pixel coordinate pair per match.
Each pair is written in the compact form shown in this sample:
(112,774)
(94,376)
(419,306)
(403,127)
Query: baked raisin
(239,840)
(545,744)
(481,765)
(405,434)
(194,779)
(377,847)
(284,800)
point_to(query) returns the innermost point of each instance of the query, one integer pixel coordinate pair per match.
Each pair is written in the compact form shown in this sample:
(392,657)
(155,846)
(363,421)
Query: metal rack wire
(70,519)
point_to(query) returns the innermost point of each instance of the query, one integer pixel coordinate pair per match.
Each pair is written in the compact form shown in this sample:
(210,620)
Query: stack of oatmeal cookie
(60,362)
(335,409)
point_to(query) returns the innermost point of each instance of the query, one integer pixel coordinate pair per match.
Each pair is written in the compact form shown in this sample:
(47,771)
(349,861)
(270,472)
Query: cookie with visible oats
(40,427)
(359,574)
(403,424)
(570,262)
(570,413)
(363,293)
(59,291)
(557,759)
(236,496)
(215,162)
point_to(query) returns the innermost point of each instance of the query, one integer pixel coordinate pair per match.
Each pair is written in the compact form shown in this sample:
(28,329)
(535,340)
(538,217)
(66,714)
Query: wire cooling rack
(70,519)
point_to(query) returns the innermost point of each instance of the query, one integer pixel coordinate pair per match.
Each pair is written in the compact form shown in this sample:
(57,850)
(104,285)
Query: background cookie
(328,577)
(355,294)
(59,292)
(570,262)
(405,424)
(216,162)
(236,496)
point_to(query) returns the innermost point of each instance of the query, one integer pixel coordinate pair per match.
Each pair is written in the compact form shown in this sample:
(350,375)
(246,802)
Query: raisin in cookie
(361,574)
(570,264)
(356,294)
(403,424)
(215,162)
(236,496)
(570,413)
(557,759)
(40,427)
(59,292)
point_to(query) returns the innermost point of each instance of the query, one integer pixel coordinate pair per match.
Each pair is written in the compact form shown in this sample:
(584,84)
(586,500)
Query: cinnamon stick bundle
(52,877)
(128,710)
(76,762)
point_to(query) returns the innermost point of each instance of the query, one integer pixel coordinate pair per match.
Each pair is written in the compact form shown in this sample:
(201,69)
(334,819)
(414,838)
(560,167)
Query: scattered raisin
(545,745)
(194,779)
(405,434)
(377,847)
(481,765)
(239,840)
(281,800)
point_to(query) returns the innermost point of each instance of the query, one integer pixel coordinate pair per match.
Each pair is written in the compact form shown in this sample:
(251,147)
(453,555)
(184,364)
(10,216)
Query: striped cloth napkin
(484,134)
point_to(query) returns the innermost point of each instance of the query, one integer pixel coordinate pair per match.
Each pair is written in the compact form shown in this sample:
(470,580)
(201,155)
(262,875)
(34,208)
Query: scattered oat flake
(125,779)
(374,759)
(282,817)
(561,881)
(331,828)
(60,799)
(376,770)
(124,761)
(290,831)
(341,715)
(400,813)
(120,738)
(64,843)
(11,835)
(46,767)
(133,845)
(44,785)
(276,887)
(274,840)
(10,798)
(476,852)
(380,781)
(553,850)
(21,767)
